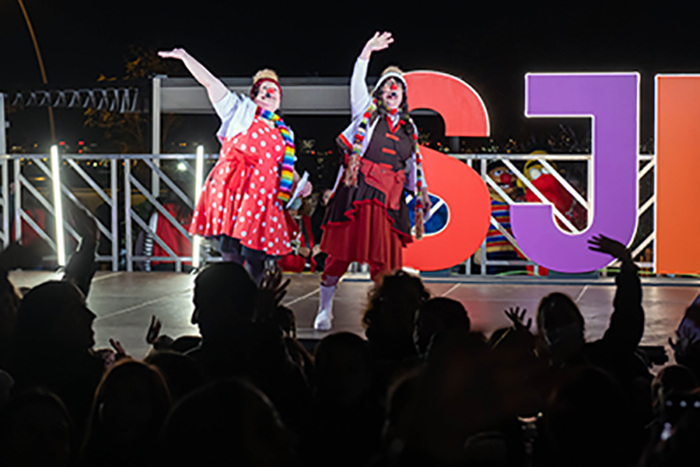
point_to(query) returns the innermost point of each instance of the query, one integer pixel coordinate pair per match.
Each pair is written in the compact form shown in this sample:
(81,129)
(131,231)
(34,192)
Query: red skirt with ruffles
(369,237)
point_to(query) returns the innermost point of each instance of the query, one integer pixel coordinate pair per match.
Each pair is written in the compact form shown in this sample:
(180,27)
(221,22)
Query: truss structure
(122,100)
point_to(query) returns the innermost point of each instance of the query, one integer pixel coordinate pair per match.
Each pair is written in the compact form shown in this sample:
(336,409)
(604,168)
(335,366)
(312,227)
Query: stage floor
(124,302)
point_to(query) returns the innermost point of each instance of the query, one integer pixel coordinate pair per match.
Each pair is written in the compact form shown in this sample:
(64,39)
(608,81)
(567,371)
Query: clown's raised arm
(215,88)
(376,43)
(236,112)
(359,96)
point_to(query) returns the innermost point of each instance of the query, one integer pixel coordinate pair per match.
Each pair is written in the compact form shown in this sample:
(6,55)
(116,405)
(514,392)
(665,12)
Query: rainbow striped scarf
(287,173)
(353,162)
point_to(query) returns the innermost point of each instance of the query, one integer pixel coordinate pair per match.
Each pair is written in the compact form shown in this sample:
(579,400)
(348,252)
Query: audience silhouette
(422,389)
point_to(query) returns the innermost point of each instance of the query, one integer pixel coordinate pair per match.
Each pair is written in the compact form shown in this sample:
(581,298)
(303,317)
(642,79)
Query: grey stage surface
(124,303)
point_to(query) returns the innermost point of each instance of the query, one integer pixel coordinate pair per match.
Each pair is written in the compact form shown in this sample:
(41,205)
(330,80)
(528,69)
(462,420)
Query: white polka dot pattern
(239,208)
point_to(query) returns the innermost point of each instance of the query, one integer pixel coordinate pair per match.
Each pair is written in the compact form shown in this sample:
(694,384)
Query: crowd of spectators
(423,388)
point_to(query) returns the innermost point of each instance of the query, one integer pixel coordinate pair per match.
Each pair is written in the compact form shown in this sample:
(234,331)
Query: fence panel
(92,182)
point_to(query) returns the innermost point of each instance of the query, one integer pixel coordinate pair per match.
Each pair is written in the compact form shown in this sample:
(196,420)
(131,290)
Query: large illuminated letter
(452,181)
(677,171)
(611,100)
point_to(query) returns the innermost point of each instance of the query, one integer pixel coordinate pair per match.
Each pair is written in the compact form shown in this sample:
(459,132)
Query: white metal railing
(646,164)
(99,192)
(89,179)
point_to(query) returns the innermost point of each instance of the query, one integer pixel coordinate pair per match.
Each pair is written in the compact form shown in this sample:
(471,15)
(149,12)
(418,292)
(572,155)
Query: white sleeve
(236,114)
(359,95)
(226,107)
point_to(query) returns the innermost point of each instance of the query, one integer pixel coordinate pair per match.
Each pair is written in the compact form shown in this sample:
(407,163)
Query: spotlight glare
(58,206)
(198,180)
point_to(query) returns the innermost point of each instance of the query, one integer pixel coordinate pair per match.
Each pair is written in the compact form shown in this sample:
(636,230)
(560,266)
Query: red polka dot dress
(239,197)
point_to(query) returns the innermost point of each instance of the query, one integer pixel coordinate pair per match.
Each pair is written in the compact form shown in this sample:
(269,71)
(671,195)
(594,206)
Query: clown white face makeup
(269,96)
(392,93)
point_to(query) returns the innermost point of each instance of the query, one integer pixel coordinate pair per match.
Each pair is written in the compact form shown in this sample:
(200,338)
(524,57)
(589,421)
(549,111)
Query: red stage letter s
(452,181)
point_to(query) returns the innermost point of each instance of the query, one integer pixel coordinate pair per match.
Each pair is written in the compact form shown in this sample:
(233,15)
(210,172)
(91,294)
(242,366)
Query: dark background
(491,45)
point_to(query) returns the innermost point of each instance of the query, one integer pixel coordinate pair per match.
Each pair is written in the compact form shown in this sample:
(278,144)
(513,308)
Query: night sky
(491,45)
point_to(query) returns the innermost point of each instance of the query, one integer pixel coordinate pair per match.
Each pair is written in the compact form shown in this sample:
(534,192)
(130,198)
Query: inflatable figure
(549,186)
(497,245)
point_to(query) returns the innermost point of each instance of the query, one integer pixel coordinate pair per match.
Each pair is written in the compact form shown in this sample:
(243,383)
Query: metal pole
(127,215)
(453,141)
(5,176)
(468,262)
(18,201)
(590,195)
(6,203)
(155,137)
(115,215)
(3,125)
(483,244)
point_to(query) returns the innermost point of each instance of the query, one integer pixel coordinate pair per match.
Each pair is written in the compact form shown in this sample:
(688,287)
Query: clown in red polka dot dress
(243,199)
(239,198)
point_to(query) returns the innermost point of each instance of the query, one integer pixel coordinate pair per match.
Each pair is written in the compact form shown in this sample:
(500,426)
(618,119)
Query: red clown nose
(394,86)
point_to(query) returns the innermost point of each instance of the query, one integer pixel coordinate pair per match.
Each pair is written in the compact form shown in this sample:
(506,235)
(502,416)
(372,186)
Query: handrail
(116,226)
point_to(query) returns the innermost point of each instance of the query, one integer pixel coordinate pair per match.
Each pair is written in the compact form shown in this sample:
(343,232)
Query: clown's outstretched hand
(376,43)
(215,88)
(175,53)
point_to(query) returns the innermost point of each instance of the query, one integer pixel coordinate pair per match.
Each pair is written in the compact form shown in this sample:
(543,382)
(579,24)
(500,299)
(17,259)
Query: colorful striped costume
(495,240)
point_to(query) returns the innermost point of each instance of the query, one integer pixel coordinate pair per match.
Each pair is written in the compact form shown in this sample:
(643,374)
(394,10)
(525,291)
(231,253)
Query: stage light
(58,206)
(181,167)
(198,180)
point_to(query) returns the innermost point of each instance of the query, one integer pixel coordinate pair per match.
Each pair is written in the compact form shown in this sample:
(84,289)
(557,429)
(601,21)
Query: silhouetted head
(343,367)
(181,372)
(393,304)
(130,404)
(436,316)
(55,314)
(672,379)
(35,430)
(224,294)
(228,419)
(560,324)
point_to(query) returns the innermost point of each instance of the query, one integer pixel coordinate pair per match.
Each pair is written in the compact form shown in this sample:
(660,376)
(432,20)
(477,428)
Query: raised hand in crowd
(153,336)
(118,348)
(82,266)
(517,317)
(270,293)
(153,330)
(607,245)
